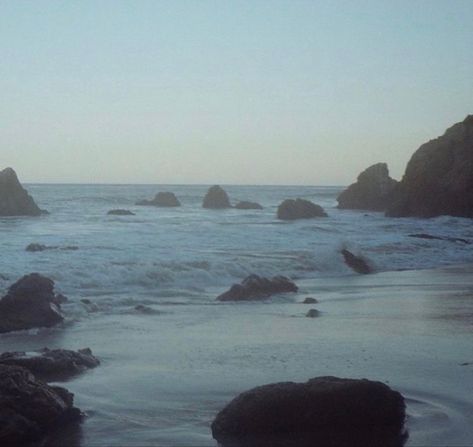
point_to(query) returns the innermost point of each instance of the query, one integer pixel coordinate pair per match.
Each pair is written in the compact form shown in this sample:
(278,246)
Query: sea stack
(161,199)
(216,198)
(299,209)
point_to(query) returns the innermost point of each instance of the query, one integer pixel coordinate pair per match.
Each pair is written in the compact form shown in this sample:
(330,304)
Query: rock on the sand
(291,209)
(161,199)
(216,198)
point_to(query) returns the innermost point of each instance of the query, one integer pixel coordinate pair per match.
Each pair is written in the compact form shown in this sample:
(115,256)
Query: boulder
(255,287)
(162,199)
(30,303)
(216,198)
(14,199)
(325,411)
(312,313)
(372,190)
(30,409)
(439,177)
(358,264)
(245,205)
(120,212)
(52,365)
(299,209)
(310,300)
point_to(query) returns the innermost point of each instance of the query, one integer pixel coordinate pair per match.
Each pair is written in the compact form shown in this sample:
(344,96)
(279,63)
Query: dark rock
(59,299)
(299,209)
(255,287)
(216,198)
(141,308)
(372,190)
(14,199)
(29,303)
(310,300)
(440,238)
(120,212)
(312,313)
(355,262)
(89,305)
(52,364)
(439,177)
(244,205)
(325,411)
(162,199)
(37,247)
(30,409)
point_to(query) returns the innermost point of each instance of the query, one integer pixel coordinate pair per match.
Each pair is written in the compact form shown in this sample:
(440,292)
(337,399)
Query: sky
(230,92)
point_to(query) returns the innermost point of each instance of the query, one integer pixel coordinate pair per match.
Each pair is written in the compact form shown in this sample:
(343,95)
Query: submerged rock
(52,364)
(359,265)
(312,313)
(299,209)
(245,205)
(255,287)
(120,212)
(310,300)
(14,199)
(216,198)
(89,305)
(34,247)
(162,199)
(142,309)
(30,409)
(325,411)
(30,303)
(440,238)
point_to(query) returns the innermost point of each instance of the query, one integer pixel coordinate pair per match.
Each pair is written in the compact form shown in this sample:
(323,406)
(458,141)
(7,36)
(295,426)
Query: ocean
(166,374)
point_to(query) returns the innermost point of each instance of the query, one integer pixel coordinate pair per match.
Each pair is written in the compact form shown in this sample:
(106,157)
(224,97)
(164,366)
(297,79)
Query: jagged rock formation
(216,198)
(245,205)
(161,199)
(299,209)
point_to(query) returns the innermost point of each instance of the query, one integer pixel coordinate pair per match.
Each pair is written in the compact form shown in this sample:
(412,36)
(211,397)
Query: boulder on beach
(14,199)
(439,177)
(326,411)
(120,212)
(256,287)
(356,263)
(245,205)
(216,198)
(30,303)
(52,365)
(30,409)
(291,209)
(161,199)
(372,190)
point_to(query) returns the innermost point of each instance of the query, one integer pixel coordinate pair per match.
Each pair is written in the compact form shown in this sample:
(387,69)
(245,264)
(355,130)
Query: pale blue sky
(252,92)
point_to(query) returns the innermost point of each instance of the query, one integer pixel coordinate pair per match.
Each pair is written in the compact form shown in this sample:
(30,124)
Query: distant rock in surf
(146,310)
(325,411)
(245,205)
(291,209)
(30,303)
(440,238)
(14,199)
(216,198)
(89,305)
(356,263)
(120,212)
(255,287)
(162,199)
(312,313)
(310,300)
(34,247)
(372,190)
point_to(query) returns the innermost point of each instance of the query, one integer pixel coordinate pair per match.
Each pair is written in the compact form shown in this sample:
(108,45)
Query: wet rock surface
(310,300)
(312,313)
(216,198)
(161,199)
(356,263)
(299,209)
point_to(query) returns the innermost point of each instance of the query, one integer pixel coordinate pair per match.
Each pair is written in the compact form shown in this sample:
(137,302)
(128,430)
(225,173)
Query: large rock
(299,209)
(216,198)
(372,190)
(439,177)
(30,303)
(245,205)
(325,411)
(161,199)
(255,287)
(30,409)
(14,200)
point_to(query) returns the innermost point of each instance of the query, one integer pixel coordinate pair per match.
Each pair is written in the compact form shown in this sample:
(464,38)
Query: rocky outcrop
(52,365)
(356,263)
(255,287)
(30,303)
(245,205)
(326,411)
(120,212)
(299,209)
(372,190)
(216,198)
(439,177)
(30,409)
(14,199)
(162,199)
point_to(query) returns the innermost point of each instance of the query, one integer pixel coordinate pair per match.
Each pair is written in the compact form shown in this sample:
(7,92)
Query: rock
(29,303)
(34,247)
(162,199)
(310,300)
(439,177)
(30,409)
(14,199)
(325,411)
(141,308)
(299,209)
(440,238)
(372,190)
(355,262)
(244,205)
(89,305)
(216,198)
(120,212)
(255,287)
(312,313)
(52,365)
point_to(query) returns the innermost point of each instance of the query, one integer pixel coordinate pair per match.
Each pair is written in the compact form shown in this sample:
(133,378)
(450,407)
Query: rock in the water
(372,190)
(355,262)
(312,313)
(14,199)
(439,177)
(89,305)
(142,309)
(440,238)
(29,303)
(52,365)
(34,247)
(120,212)
(162,199)
(310,300)
(255,287)
(216,198)
(325,411)
(30,409)
(299,209)
(245,205)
